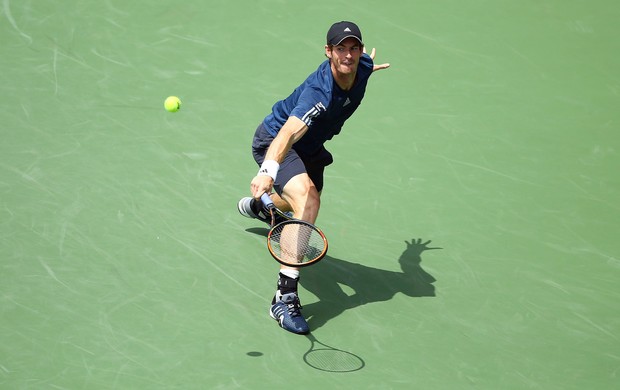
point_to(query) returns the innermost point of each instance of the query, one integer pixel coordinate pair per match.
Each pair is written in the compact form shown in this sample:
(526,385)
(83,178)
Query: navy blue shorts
(294,163)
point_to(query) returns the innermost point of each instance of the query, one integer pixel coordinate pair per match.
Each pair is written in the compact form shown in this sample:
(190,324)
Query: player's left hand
(376,67)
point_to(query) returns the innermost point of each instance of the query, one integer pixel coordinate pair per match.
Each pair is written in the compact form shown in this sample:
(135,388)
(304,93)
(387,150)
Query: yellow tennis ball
(172,103)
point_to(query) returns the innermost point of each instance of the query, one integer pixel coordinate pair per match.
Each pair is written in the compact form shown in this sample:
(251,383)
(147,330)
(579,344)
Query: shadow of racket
(325,358)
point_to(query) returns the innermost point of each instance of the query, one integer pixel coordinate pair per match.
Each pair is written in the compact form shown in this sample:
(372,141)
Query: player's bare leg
(302,198)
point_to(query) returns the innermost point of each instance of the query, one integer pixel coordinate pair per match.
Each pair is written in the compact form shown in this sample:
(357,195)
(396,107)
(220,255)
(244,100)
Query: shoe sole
(241,209)
(250,214)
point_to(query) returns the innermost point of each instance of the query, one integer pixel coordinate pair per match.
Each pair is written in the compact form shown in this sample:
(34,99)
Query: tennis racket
(293,242)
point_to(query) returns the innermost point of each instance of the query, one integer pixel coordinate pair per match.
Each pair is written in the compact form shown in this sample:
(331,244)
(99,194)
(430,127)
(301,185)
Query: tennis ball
(172,103)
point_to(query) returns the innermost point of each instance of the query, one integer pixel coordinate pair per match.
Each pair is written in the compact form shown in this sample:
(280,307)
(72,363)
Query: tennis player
(288,147)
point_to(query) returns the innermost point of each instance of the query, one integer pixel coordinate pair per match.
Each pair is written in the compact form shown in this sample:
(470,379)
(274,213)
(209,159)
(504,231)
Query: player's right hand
(261,184)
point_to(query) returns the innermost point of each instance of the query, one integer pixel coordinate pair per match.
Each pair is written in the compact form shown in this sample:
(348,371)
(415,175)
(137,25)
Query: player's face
(346,56)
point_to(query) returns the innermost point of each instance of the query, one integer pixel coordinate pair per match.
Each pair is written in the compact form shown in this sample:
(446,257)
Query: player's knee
(305,201)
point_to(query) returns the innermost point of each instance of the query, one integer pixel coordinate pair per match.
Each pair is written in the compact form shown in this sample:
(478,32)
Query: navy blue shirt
(321,104)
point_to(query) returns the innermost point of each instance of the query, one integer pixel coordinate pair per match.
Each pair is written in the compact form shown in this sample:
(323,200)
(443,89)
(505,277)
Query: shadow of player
(325,279)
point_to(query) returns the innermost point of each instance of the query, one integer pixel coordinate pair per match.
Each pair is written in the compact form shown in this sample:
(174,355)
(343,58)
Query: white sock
(291,273)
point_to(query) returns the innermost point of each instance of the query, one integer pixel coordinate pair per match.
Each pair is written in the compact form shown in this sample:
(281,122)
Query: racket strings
(297,242)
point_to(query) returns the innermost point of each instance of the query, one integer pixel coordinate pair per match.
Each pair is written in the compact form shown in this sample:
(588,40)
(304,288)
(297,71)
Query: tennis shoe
(287,311)
(248,205)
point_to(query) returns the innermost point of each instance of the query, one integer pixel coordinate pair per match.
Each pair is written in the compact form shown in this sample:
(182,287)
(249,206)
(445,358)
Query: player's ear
(328,51)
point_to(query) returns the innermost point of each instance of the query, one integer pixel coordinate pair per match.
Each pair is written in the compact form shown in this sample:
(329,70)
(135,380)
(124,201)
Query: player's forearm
(279,148)
(290,133)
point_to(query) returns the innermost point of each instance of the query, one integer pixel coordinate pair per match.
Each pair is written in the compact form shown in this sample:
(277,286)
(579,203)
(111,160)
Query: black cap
(340,31)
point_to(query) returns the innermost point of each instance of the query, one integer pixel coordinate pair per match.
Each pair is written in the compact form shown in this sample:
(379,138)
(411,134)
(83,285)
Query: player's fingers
(381,66)
(261,185)
(258,191)
(257,194)
(255,189)
(372,53)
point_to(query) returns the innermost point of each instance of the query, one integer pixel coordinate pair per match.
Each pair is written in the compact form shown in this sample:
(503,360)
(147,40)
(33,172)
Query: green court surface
(124,263)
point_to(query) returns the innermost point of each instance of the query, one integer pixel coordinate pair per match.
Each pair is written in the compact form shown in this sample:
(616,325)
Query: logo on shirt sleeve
(315,111)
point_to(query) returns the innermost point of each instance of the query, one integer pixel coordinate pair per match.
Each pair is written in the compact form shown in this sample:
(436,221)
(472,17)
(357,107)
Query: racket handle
(266,199)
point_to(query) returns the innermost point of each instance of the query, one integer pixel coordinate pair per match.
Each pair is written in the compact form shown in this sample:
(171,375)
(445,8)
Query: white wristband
(269,168)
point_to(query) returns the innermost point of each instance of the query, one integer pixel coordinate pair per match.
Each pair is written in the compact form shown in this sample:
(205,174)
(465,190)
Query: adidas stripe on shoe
(247,207)
(287,311)
(252,208)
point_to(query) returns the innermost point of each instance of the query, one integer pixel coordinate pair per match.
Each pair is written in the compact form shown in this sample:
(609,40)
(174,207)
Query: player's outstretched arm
(377,67)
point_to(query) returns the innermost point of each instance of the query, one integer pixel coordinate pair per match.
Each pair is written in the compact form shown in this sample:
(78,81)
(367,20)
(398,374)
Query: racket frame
(266,199)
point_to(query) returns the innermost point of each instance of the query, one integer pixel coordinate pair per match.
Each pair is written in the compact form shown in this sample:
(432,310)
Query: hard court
(124,263)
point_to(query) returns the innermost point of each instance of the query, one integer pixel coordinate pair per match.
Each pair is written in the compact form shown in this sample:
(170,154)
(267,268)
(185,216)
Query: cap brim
(348,36)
